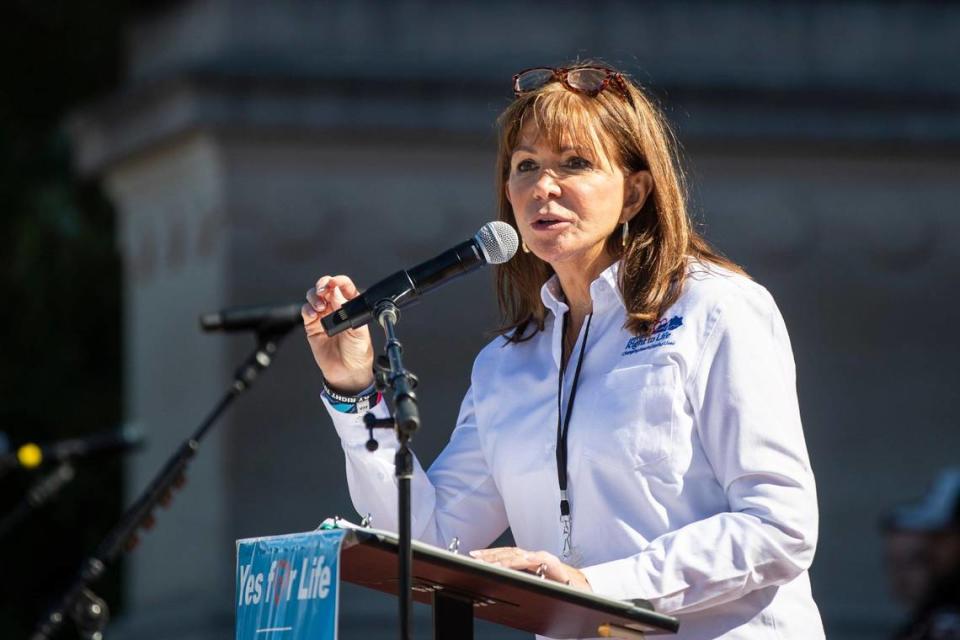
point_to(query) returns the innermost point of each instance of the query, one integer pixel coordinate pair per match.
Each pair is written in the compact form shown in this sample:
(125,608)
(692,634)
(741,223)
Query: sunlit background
(162,159)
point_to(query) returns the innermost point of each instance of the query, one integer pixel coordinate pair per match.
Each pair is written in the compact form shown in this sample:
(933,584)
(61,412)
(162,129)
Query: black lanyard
(563,420)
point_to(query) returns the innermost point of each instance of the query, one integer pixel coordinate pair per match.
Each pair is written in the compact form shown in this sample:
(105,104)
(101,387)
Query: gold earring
(523,245)
(626,234)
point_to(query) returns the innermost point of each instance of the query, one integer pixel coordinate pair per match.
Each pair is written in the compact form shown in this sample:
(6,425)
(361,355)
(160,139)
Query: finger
(311,321)
(512,557)
(549,562)
(335,298)
(528,561)
(327,283)
(321,284)
(496,551)
(315,301)
(532,561)
(519,564)
(347,287)
(491,554)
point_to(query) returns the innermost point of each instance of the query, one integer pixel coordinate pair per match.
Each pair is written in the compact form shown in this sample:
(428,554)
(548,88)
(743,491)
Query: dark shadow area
(60,283)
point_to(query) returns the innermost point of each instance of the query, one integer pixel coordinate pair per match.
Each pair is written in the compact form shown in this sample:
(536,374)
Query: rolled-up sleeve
(742,392)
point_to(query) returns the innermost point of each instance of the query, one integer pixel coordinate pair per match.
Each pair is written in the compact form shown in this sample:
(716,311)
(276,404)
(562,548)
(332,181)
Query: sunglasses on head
(589,81)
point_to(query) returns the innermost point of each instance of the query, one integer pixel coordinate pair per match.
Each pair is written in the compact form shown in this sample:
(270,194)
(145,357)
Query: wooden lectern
(461,588)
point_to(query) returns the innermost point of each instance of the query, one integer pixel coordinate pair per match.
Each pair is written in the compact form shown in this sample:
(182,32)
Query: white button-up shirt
(688,476)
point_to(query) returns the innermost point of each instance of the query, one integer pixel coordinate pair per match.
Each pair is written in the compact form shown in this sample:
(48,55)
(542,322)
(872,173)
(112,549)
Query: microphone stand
(38,494)
(88,611)
(391,373)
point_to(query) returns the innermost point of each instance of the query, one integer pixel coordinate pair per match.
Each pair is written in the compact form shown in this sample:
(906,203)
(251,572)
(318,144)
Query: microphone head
(498,241)
(212,321)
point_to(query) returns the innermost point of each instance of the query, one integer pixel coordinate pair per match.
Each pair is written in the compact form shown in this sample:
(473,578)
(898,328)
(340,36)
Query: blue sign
(287,586)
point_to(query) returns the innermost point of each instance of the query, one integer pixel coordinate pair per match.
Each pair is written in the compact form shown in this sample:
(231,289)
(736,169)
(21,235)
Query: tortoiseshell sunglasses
(589,81)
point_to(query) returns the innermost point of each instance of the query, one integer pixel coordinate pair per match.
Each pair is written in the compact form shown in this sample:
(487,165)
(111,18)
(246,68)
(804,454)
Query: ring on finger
(542,570)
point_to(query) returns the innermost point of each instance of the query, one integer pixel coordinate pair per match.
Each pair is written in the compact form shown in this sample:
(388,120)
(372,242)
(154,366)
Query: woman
(636,423)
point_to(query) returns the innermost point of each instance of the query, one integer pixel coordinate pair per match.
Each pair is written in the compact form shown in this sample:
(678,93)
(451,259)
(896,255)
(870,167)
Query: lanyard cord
(563,420)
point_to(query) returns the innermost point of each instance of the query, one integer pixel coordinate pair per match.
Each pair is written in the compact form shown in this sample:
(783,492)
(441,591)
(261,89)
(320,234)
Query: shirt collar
(604,291)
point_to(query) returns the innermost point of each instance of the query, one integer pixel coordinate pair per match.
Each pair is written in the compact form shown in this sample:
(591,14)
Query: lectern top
(503,596)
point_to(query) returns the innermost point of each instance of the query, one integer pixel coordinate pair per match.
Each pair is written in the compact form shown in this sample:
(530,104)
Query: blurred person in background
(922,558)
(906,561)
(689,480)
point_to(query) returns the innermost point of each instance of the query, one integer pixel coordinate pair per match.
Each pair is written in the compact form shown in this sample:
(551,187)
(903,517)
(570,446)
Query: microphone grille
(498,241)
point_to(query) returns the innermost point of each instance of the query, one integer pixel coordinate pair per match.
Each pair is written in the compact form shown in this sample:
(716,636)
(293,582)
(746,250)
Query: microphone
(32,455)
(262,319)
(494,243)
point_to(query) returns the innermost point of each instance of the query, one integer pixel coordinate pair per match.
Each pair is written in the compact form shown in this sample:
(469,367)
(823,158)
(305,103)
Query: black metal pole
(452,617)
(405,551)
(407,421)
(124,533)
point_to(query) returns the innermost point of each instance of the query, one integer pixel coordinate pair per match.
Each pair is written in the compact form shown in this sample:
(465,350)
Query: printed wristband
(360,403)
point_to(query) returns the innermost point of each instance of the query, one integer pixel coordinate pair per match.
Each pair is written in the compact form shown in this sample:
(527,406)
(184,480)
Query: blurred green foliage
(60,286)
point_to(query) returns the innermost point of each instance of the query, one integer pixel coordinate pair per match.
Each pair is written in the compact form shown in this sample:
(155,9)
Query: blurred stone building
(257,145)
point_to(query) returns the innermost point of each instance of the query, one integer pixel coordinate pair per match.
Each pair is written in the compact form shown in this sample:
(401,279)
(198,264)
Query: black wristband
(360,403)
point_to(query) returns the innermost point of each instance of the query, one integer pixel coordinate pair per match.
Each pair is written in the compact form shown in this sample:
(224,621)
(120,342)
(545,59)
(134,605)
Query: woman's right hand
(346,359)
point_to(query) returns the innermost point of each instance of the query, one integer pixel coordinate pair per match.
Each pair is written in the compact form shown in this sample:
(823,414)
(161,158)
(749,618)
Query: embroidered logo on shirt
(659,337)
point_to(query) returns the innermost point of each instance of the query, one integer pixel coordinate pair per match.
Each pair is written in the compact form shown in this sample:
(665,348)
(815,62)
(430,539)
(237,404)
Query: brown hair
(632,132)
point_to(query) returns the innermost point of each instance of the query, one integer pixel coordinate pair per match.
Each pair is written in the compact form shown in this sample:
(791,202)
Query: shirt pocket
(634,416)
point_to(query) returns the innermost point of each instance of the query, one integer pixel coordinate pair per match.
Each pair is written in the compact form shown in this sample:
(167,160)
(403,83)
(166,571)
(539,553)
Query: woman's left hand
(534,561)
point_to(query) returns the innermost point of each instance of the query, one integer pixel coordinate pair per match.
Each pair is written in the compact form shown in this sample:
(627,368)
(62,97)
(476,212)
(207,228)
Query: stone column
(217,216)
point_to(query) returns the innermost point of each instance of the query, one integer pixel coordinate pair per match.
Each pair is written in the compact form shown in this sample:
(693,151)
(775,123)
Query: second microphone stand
(390,373)
(78,602)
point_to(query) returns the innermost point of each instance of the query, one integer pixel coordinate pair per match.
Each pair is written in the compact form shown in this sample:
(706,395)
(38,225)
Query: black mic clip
(381,377)
(372,422)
